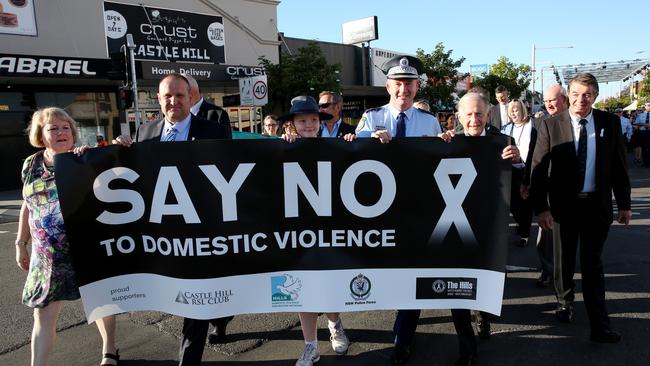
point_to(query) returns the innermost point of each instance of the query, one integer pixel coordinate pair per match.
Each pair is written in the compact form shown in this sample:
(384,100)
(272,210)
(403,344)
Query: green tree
(442,75)
(644,93)
(611,103)
(514,77)
(306,72)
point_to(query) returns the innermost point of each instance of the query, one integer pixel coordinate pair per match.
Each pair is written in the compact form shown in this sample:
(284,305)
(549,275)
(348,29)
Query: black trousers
(586,228)
(522,212)
(407,321)
(195,332)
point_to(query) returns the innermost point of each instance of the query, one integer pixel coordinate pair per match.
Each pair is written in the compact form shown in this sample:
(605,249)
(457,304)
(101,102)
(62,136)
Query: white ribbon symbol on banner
(454,197)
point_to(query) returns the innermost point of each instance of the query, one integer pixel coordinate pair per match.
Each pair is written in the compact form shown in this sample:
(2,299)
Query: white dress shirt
(195,108)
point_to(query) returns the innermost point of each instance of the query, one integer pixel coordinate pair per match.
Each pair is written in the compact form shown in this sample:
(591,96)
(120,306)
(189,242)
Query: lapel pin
(602,132)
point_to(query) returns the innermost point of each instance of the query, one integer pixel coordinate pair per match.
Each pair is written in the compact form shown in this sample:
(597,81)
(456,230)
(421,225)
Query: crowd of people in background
(556,181)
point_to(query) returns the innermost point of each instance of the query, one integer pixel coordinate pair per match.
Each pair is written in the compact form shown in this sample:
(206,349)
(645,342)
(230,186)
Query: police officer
(399,118)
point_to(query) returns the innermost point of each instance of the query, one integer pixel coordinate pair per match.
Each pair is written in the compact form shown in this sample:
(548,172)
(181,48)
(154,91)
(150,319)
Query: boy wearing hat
(399,118)
(305,116)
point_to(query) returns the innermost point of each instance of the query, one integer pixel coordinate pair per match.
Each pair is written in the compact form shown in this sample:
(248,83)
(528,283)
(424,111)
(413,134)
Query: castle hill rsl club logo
(204,298)
(285,290)
(360,287)
(445,288)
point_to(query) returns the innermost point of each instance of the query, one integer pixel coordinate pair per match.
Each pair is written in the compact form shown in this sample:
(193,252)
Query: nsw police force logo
(360,287)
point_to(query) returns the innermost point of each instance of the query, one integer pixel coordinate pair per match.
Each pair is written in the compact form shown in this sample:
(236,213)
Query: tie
(582,155)
(171,134)
(401,125)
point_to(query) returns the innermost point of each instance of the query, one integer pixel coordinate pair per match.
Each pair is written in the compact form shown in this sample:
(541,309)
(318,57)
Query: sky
(482,31)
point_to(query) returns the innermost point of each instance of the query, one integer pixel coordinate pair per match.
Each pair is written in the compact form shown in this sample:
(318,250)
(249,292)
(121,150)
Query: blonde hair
(44,115)
(522,108)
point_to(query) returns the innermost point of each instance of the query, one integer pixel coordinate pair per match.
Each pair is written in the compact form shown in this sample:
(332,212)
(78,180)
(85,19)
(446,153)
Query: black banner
(164,34)
(207,209)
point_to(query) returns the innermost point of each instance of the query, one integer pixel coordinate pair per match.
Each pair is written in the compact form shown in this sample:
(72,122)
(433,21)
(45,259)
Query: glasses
(325,105)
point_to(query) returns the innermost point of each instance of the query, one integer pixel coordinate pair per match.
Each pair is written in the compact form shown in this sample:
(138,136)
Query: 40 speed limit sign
(253,91)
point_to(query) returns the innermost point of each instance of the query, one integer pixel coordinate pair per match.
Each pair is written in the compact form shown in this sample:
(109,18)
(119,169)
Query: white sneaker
(340,342)
(309,356)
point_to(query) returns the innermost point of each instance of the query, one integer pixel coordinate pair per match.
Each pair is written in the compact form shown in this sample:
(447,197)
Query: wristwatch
(22,242)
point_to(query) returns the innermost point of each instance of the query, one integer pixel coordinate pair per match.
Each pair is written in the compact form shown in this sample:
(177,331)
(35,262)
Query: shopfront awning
(605,71)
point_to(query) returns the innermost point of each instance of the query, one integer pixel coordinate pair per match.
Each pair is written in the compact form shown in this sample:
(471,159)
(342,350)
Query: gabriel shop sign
(164,34)
(58,67)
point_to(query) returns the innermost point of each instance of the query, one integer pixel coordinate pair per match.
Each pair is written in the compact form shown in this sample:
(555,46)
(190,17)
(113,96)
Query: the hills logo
(285,290)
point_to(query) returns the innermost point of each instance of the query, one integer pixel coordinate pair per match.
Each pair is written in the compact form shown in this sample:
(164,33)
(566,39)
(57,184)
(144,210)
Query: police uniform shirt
(641,120)
(182,129)
(418,122)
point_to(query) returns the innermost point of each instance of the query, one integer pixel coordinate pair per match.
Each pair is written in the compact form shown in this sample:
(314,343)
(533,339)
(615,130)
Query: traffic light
(120,66)
(126,98)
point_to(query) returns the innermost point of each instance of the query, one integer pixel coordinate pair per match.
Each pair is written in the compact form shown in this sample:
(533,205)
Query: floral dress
(51,276)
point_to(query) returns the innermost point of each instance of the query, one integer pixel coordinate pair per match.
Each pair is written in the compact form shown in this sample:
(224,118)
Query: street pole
(134,79)
(532,97)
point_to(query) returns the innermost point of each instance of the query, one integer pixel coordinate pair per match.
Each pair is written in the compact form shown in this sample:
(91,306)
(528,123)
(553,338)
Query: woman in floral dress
(51,277)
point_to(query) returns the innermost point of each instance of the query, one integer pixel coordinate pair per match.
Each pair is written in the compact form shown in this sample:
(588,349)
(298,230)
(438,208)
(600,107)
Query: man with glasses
(579,160)
(332,103)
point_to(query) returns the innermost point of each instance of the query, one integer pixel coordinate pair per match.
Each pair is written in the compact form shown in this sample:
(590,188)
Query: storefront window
(95,113)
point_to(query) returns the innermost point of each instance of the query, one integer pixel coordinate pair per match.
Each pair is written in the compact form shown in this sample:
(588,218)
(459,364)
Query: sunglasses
(325,105)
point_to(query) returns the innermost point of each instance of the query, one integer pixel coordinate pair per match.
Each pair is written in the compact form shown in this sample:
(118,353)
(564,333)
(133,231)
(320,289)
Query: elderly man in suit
(579,160)
(180,125)
(204,109)
(499,112)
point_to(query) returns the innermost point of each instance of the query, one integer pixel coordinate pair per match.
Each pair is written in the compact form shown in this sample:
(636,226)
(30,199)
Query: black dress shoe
(401,355)
(484,331)
(605,336)
(467,359)
(564,313)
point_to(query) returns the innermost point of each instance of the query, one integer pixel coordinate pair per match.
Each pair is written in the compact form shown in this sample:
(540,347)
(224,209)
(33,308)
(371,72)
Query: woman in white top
(521,129)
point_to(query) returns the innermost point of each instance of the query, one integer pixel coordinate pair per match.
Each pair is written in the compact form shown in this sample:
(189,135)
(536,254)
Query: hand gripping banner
(206,229)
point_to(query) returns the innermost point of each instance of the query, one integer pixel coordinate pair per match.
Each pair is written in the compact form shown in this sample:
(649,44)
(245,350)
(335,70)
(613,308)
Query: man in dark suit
(180,125)
(332,103)
(579,160)
(499,112)
(204,109)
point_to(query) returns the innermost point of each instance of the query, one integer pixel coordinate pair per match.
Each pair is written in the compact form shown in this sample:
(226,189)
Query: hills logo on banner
(285,290)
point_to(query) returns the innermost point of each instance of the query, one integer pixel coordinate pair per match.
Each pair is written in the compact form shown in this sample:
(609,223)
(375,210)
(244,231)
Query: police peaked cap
(403,67)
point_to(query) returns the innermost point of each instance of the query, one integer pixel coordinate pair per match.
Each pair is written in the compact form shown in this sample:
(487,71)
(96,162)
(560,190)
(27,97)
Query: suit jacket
(553,176)
(344,129)
(495,116)
(215,113)
(200,129)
